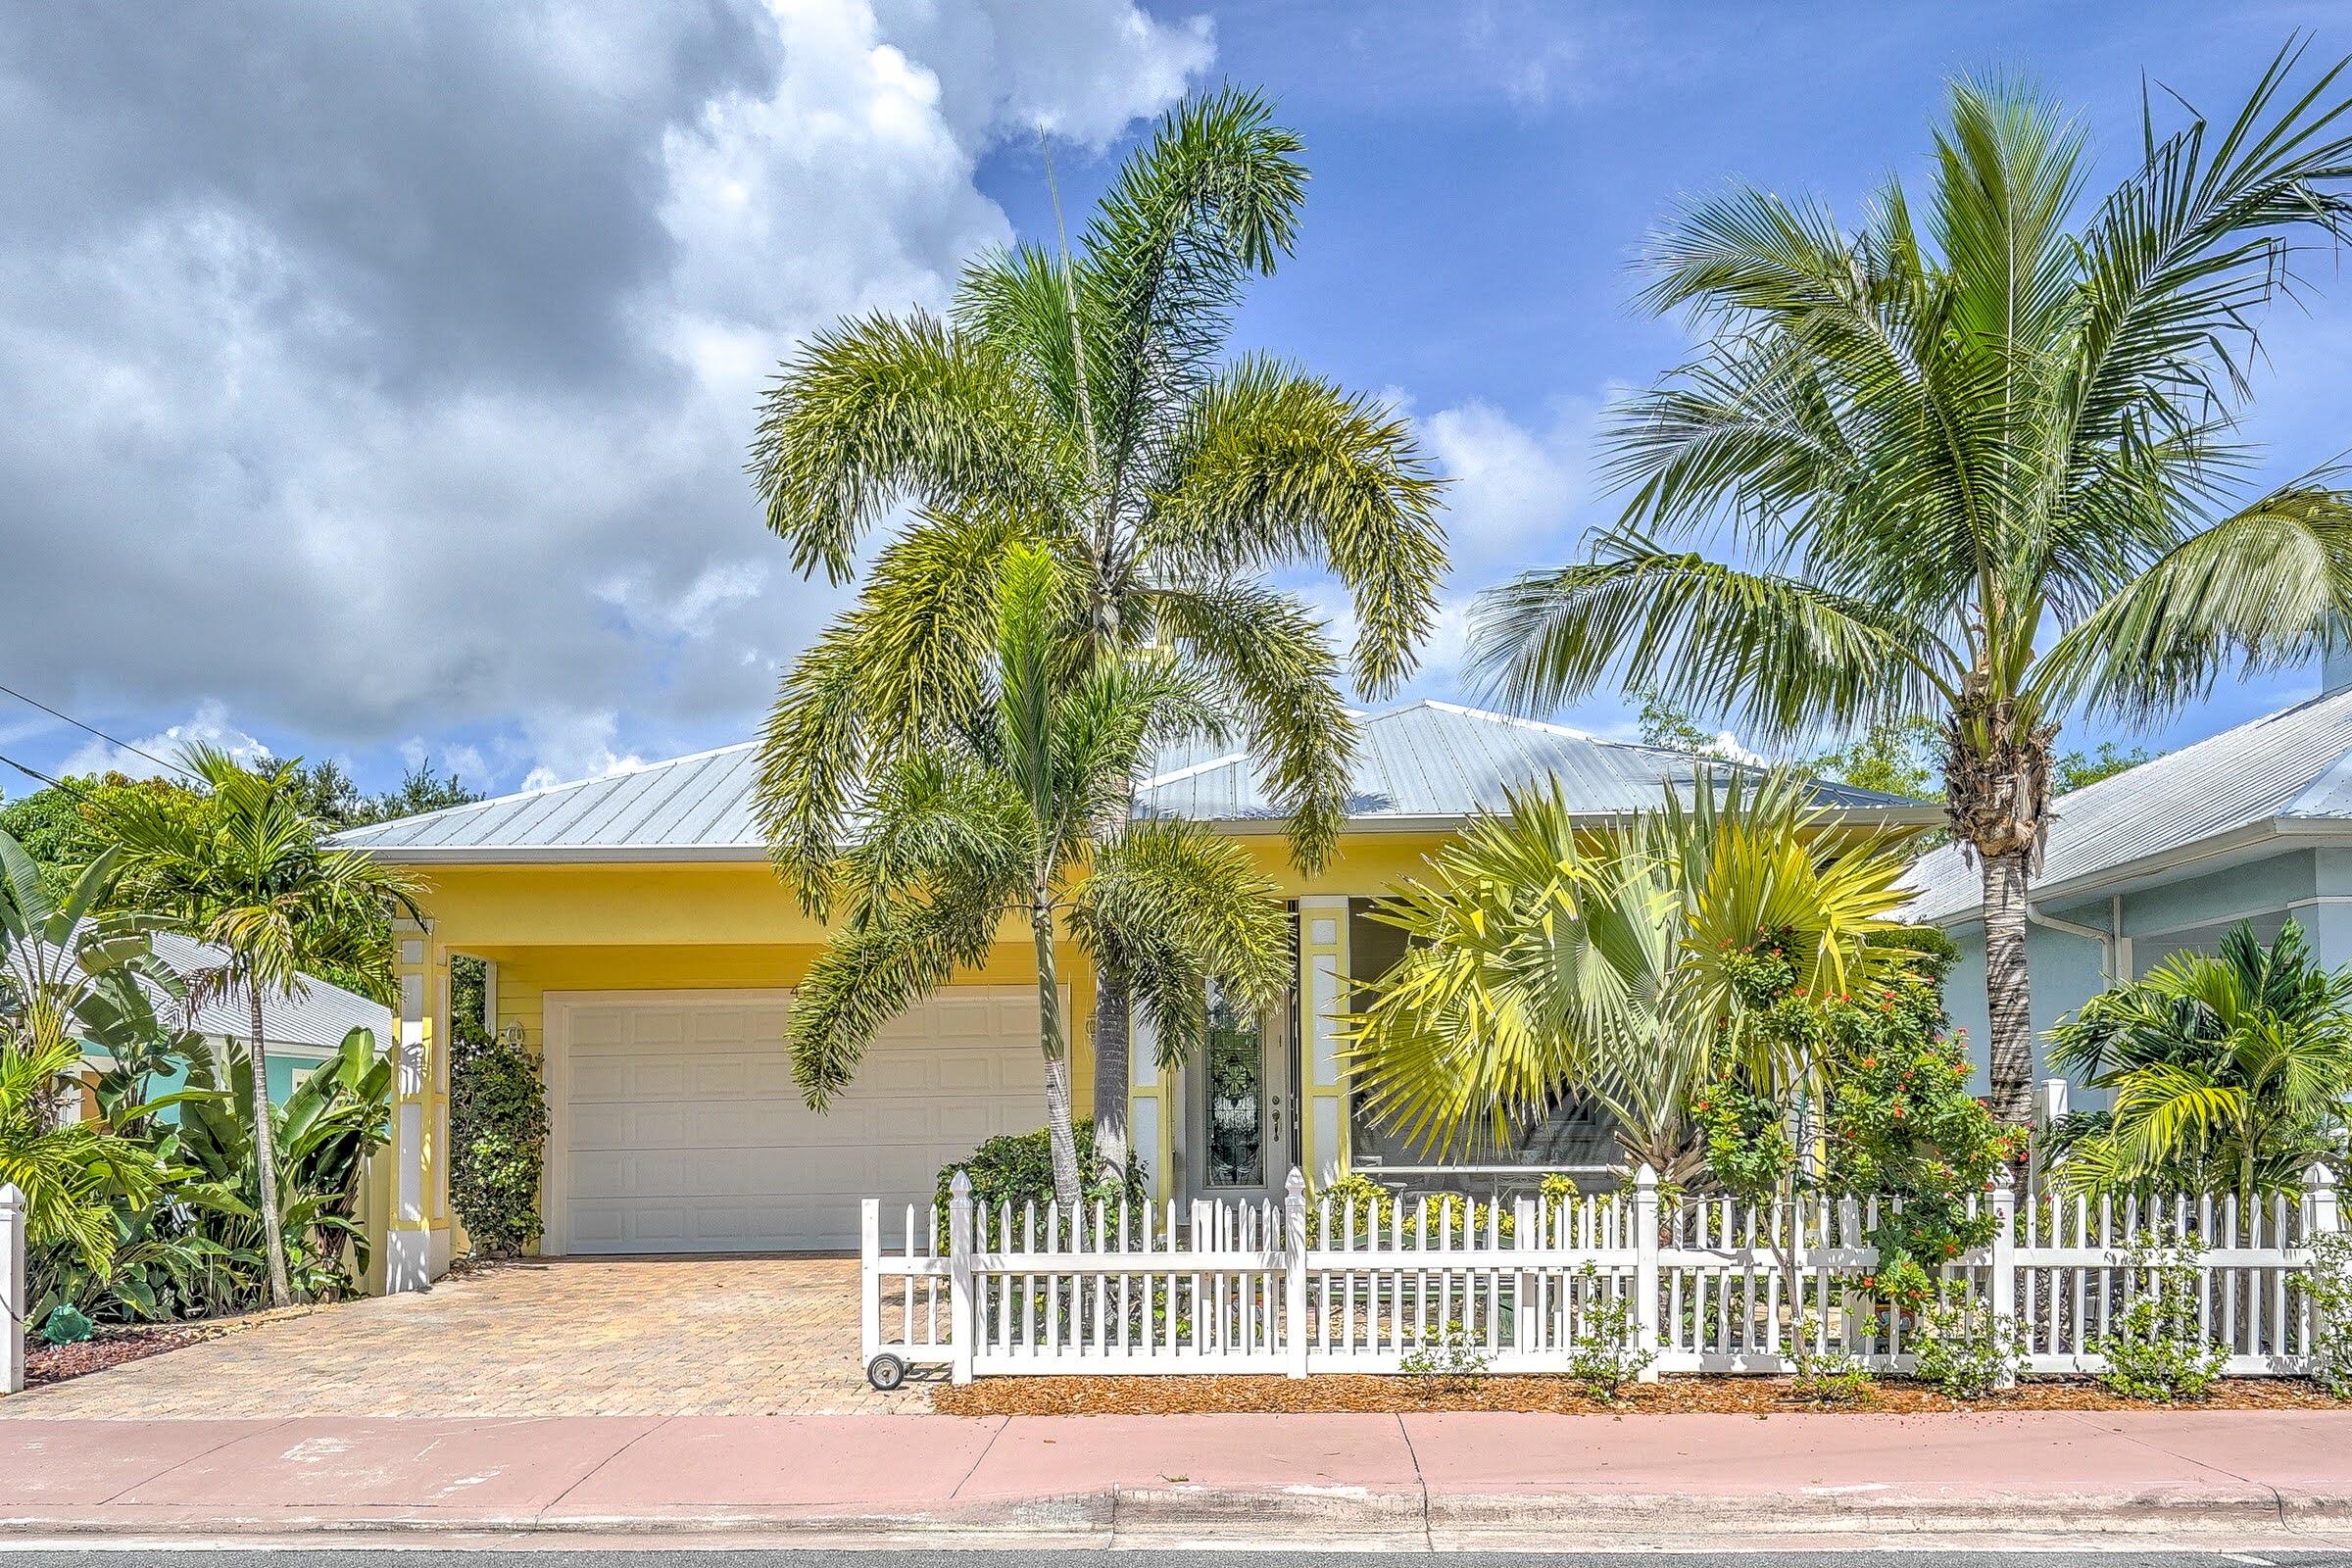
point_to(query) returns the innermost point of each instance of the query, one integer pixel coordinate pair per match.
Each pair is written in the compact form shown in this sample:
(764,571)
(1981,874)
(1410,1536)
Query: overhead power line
(91,729)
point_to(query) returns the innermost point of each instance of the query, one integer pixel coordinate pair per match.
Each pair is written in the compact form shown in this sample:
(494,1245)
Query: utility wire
(91,729)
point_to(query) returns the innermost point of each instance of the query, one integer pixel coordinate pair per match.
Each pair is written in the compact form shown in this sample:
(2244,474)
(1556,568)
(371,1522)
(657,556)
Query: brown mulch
(1669,1395)
(108,1348)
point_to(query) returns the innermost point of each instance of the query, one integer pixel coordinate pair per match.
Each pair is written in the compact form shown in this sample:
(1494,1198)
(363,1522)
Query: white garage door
(681,1130)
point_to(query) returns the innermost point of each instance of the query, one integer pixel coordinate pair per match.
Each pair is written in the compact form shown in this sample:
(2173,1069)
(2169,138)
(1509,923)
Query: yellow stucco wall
(643,926)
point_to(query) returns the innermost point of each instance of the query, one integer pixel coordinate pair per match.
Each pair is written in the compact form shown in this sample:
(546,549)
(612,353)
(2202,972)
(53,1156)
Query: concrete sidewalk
(1438,1479)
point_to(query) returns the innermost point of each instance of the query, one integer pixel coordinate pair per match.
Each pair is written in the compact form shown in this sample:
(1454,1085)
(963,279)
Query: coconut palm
(1549,960)
(1004,815)
(2230,1073)
(249,874)
(1973,462)
(1083,403)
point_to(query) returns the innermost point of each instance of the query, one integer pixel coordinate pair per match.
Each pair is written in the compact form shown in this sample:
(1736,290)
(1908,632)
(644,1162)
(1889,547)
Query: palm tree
(249,875)
(1082,403)
(1549,958)
(1982,465)
(1004,815)
(2230,1072)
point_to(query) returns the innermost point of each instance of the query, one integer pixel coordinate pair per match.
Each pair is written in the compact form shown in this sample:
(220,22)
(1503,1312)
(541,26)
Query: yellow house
(636,936)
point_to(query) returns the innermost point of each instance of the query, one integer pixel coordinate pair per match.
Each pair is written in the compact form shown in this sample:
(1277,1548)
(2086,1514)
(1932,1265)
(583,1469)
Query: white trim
(1518,722)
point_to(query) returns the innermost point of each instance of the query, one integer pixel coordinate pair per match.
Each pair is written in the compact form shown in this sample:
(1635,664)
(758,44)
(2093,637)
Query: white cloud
(574,746)
(417,403)
(1519,489)
(144,757)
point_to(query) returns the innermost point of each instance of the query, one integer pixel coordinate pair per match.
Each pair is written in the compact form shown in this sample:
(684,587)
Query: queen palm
(1002,816)
(1549,958)
(1974,462)
(1083,404)
(249,875)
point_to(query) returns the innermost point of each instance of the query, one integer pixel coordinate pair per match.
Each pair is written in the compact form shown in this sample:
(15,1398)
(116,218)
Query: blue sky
(415,431)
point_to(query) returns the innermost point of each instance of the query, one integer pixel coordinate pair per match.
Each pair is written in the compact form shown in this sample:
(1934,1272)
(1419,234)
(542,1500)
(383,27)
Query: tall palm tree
(1083,404)
(2230,1073)
(1979,463)
(1003,815)
(249,874)
(1549,958)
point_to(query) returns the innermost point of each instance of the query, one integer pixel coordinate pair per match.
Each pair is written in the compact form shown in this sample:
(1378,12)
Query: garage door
(681,1130)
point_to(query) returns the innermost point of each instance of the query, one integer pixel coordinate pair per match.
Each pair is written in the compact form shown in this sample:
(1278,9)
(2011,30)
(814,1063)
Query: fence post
(14,1289)
(2004,1263)
(963,1329)
(2327,1219)
(869,1276)
(1294,1272)
(1645,1269)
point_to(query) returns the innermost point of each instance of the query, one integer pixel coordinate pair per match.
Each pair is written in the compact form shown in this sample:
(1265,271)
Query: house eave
(2130,876)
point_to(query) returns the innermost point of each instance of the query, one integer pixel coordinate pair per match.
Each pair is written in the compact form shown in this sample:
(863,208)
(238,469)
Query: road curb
(1562,1520)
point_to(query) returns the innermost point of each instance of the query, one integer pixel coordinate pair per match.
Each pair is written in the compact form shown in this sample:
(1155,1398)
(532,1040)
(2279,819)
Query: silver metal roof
(2286,772)
(1430,761)
(319,1016)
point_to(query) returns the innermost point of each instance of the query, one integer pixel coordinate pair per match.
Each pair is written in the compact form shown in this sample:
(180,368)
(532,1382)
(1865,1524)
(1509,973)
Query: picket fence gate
(1436,1285)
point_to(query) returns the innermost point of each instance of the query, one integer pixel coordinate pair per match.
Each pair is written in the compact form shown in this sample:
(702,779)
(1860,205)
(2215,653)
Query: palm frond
(1784,656)
(880,409)
(1272,466)
(2259,591)
(1271,663)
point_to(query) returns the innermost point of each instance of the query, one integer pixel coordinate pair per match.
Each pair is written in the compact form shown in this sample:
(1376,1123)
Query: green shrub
(2328,1287)
(1827,1372)
(1605,1357)
(2154,1348)
(1017,1168)
(1450,1363)
(1963,1348)
(498,1142)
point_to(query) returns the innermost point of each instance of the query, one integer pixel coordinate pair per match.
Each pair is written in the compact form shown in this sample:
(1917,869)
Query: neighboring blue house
(2254,825)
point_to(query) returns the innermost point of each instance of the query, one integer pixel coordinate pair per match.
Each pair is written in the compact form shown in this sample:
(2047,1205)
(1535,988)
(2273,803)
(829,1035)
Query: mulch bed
(108,1348)
(1669,1395)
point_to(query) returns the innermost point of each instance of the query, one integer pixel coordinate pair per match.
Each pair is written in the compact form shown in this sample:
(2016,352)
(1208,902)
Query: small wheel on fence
(886,1372)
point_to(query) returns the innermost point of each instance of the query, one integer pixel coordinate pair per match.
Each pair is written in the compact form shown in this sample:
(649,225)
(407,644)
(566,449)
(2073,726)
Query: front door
(1240,1097)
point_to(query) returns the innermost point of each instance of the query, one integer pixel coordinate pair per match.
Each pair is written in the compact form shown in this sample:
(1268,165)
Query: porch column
(415,1244)
(1150,1104)
(1323,972)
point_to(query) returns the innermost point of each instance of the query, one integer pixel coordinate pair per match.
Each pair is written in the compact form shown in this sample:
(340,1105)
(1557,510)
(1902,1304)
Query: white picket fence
(1298,1288)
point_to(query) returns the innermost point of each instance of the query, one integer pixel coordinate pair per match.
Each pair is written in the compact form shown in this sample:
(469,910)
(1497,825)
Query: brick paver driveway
(755,1336)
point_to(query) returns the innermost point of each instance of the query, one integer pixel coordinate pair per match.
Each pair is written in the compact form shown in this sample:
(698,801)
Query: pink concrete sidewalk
(2242,1472)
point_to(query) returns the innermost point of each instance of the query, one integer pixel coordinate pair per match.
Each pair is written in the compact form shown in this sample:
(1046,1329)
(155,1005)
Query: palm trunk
(1997,798)
(1114,1042)
(2008,995)
(264,1163)
(1060,1138)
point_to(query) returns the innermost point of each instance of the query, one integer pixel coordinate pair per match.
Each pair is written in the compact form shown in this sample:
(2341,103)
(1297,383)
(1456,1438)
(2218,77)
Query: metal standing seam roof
(1428,760)
(2289,769)
(320,1015)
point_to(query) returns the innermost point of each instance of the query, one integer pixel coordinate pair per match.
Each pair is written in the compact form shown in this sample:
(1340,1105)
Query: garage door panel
(684,1132)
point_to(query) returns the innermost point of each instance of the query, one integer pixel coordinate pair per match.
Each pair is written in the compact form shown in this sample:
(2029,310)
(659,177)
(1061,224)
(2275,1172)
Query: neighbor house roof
(2287,774)
(1429,762)
(319,1015)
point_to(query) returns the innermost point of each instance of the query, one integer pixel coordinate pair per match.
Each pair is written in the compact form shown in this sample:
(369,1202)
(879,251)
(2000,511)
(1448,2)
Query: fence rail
(1713,1285)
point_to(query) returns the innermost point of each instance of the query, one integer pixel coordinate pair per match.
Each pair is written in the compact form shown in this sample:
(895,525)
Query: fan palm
(1548,958)
(1004,815)
(1985,460)
(2230,1071)
(249,875)
(1082,403)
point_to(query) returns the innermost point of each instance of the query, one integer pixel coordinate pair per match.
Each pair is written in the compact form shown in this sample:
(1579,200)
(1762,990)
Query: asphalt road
(953,1558)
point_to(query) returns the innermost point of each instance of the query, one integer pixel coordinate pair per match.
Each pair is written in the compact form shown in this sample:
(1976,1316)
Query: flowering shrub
(1898,1121)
